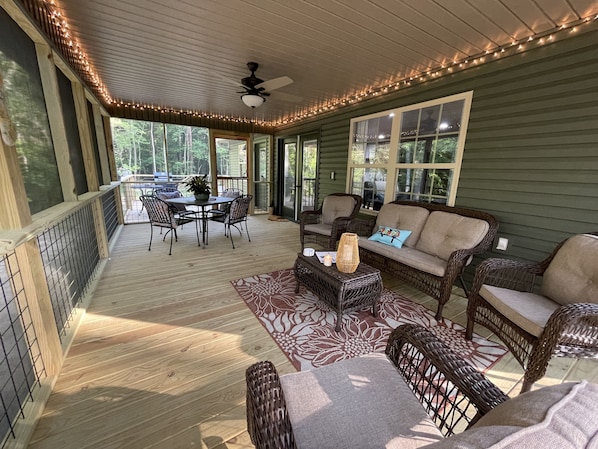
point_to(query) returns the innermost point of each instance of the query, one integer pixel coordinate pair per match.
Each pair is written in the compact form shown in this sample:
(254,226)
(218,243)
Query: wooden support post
(47,71)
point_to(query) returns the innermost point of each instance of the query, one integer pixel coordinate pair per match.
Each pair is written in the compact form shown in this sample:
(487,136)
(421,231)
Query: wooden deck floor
(159,358)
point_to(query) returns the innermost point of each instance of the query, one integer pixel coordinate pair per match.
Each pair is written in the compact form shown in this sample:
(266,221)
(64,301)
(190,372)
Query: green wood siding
(531,153)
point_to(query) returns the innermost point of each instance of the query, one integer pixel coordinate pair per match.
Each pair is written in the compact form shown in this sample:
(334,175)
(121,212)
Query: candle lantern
(347,255)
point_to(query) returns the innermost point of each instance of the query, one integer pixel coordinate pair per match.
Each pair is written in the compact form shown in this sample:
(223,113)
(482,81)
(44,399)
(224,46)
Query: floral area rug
(303,326)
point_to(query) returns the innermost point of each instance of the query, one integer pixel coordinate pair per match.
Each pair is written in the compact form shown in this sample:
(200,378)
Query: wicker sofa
(420,394)
(442,243)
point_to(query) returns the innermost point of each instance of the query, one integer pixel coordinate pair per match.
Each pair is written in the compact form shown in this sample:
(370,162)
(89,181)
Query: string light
(516,45)
(500,51)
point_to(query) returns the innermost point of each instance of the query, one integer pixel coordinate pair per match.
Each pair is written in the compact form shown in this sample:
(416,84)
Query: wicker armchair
(325,225)
(561,319)
(449,391)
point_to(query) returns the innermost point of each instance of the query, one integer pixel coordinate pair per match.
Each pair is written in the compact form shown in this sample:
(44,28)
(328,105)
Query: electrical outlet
(502,244)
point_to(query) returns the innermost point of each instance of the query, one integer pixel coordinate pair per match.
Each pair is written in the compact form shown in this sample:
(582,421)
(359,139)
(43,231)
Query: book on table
(321,255)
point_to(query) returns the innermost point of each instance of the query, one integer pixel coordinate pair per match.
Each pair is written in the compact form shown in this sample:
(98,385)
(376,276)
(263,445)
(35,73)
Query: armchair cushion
(334,207)
(319,228)
(400,216)
(572,275)
(529,408)
(361,402)
(556,417)
(527,310)
(445,233)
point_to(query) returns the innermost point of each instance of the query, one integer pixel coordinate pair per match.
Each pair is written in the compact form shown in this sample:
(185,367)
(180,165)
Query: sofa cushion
(379,412)
(445,232)
(562,416)
(529,311)
(476,438)
(407,256)
(572,275)
(334,207)
(528,408)
(400,216)
(390,236)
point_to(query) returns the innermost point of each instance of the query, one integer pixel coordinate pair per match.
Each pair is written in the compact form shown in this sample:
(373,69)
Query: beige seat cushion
(529,311)
(407,256)
(318,228)
(403,217)
(358,403)
(334,207)
(572,276)
(445,232)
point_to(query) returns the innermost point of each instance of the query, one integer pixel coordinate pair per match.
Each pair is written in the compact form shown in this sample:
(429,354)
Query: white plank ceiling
(184,53)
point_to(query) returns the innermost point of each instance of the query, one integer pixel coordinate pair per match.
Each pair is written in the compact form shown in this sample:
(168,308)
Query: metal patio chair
(236,216)
(164,216)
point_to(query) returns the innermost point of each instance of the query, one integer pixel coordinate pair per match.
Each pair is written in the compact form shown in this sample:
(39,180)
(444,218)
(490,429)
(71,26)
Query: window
(412,153)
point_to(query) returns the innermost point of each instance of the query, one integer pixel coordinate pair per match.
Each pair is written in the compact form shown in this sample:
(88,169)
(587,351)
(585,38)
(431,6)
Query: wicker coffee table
(343,292)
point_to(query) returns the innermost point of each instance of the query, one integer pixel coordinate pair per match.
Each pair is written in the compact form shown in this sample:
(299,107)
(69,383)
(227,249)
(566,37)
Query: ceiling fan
(255,92)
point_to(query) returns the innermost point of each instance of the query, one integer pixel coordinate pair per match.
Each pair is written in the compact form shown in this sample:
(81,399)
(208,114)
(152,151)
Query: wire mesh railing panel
(133,210)
(21,364)
(70,256)
(110,215)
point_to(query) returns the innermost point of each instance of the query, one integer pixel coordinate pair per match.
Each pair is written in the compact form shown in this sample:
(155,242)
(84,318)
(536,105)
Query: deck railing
(133,186)
(46,269)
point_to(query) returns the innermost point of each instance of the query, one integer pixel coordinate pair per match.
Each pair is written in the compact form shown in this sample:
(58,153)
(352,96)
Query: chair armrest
(506,273)
(453,392)
(340,225)
(574,326)
(362,226)
(268,422)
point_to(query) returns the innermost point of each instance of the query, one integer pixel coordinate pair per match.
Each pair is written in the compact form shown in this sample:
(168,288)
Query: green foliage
(198,185)
(145,147)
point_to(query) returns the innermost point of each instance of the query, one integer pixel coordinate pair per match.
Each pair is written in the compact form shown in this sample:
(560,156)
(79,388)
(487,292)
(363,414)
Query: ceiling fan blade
(275,83)
(236,83)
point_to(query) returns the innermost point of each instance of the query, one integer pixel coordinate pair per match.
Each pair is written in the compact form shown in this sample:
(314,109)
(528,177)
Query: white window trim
(392,167)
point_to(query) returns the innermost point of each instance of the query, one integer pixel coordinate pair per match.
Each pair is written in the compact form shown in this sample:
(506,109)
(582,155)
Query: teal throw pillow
(390,236)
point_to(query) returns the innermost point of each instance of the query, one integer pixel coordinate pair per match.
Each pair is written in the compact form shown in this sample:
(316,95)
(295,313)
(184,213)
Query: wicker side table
(343,292)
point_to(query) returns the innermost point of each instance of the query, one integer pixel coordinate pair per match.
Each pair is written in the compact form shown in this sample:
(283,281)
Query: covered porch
(160,355)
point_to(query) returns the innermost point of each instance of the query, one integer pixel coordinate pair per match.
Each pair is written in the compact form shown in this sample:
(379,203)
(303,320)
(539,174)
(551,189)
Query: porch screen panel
(23,107)
(94,141)
(72,132)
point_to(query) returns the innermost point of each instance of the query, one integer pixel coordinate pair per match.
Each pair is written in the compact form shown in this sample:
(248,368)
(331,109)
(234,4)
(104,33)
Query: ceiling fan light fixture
(253,100)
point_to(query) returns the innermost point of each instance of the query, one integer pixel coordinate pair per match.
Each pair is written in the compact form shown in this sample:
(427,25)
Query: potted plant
(200,187)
